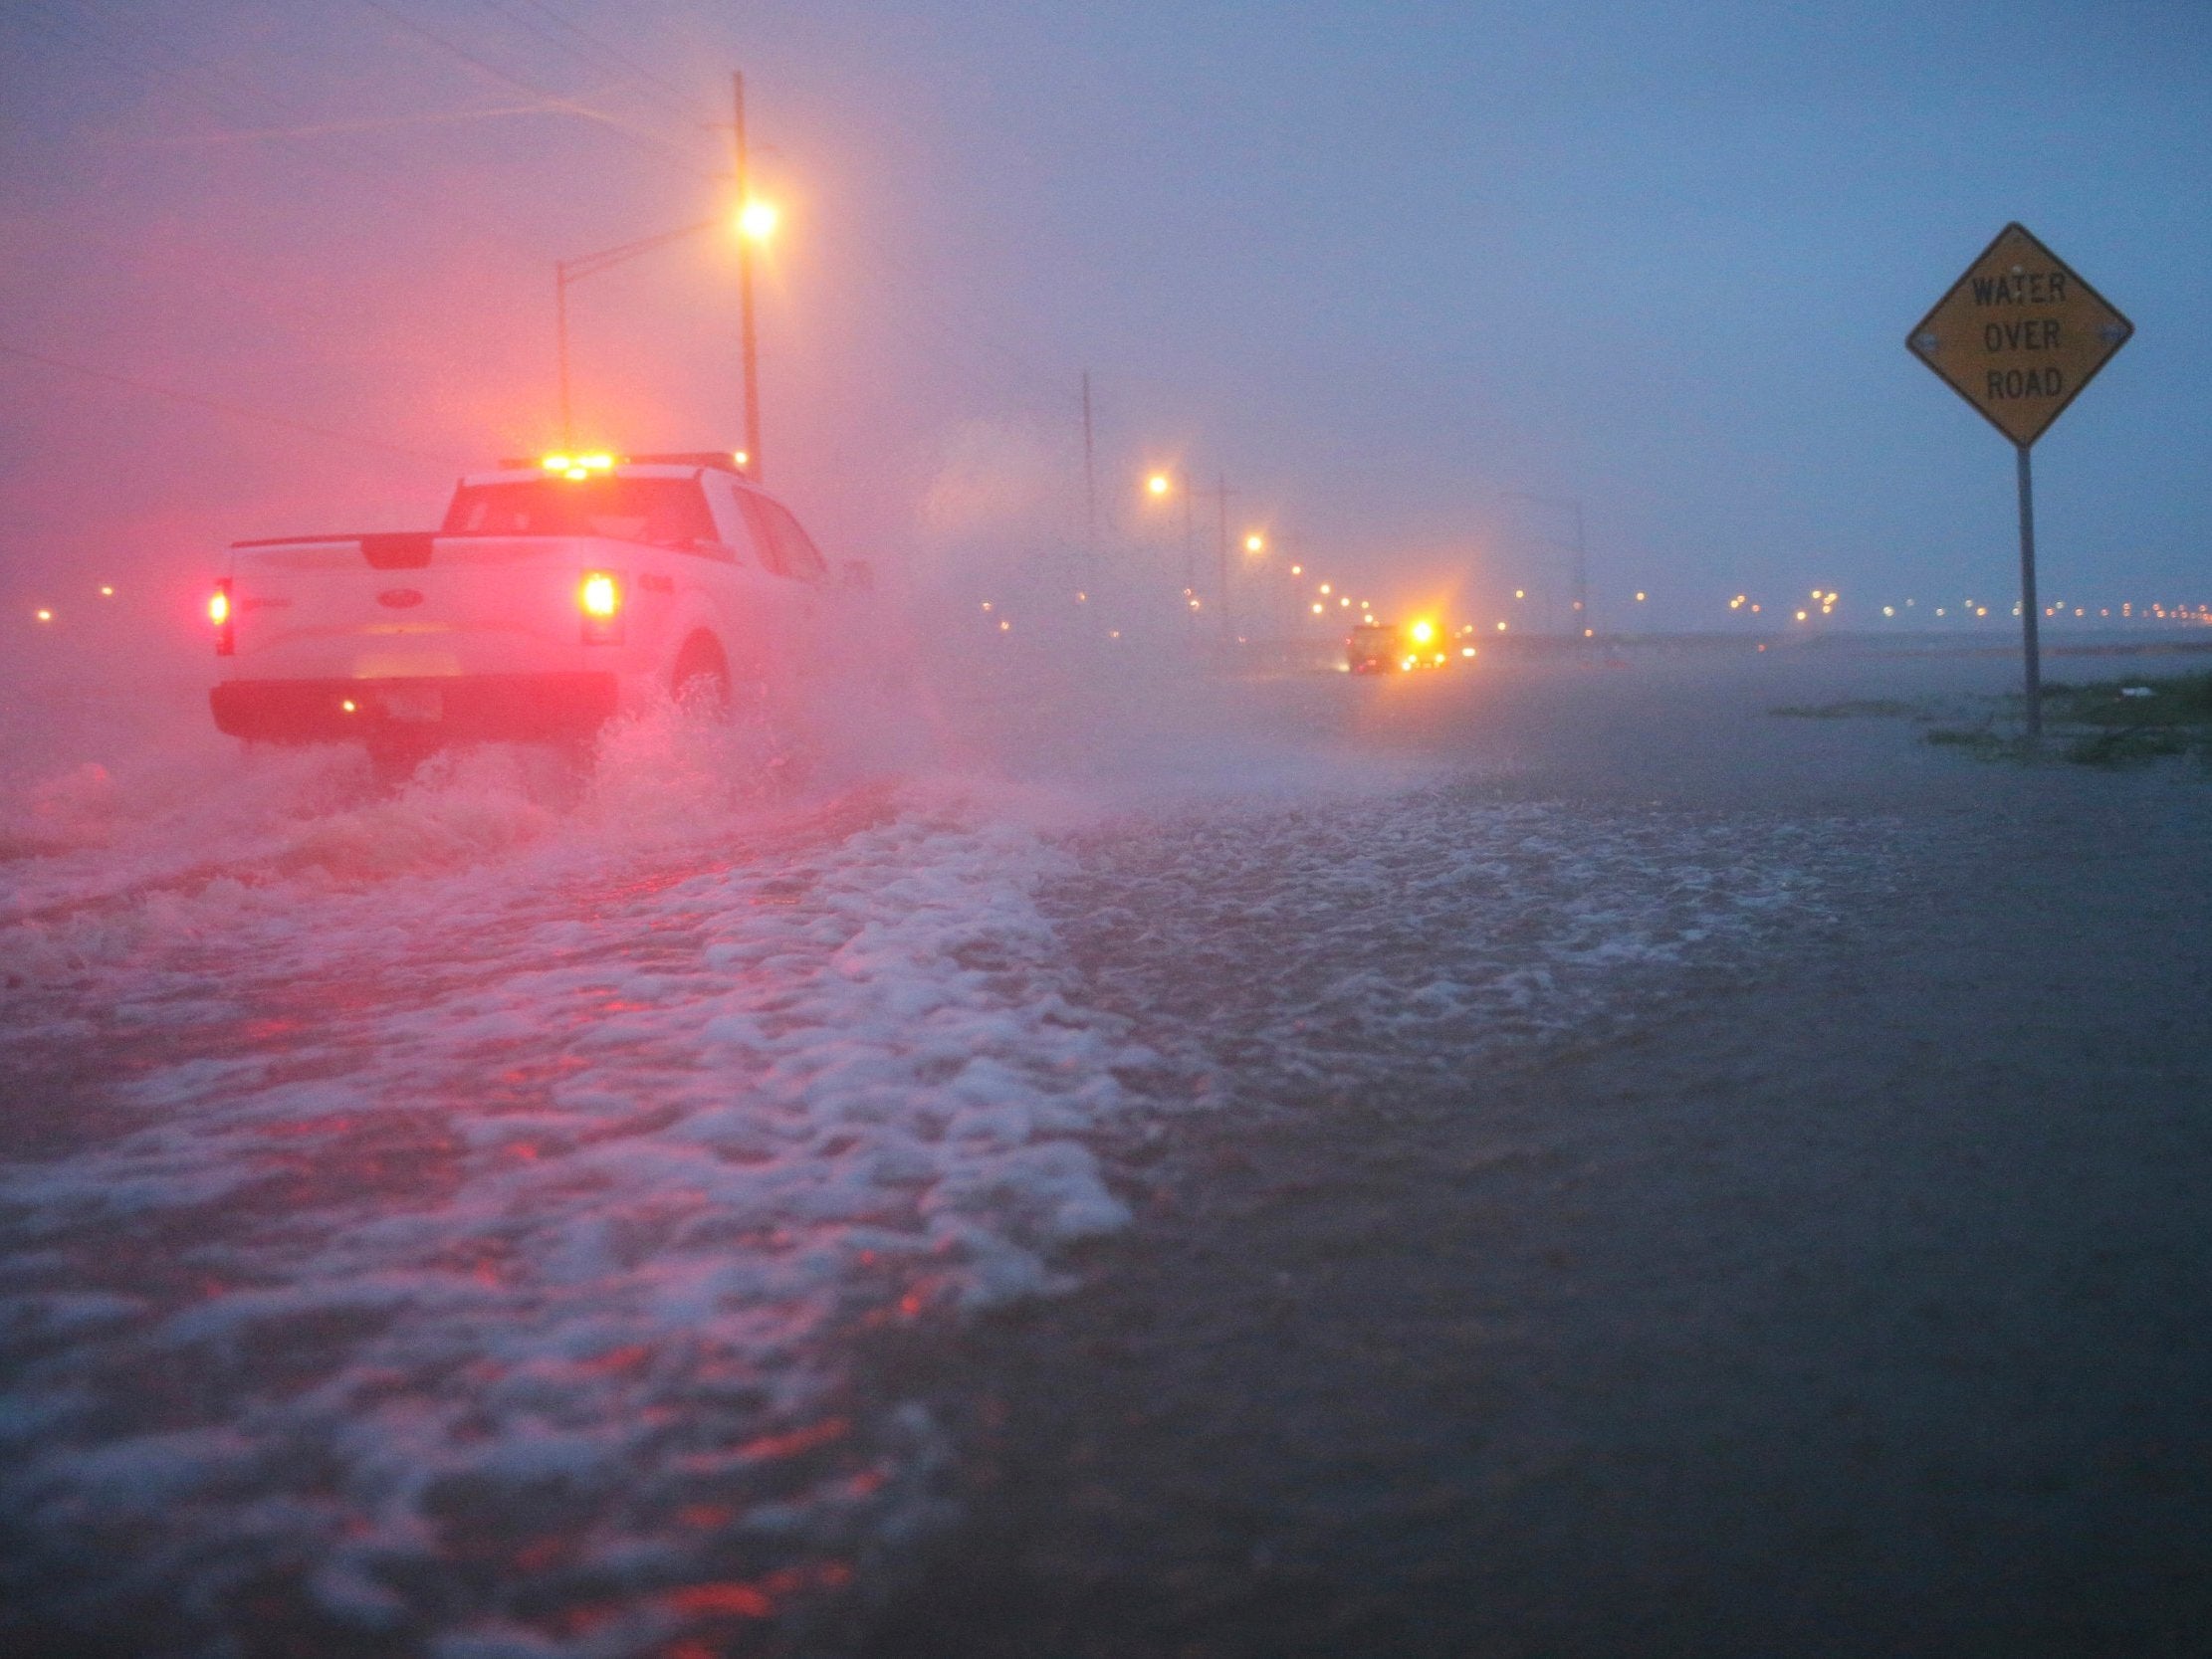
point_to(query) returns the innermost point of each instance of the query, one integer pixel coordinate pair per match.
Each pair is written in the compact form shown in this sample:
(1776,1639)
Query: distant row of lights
(1826,600)
(45,613)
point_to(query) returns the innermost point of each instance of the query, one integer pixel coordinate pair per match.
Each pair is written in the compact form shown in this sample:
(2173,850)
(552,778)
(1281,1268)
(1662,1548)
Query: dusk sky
(1379,267)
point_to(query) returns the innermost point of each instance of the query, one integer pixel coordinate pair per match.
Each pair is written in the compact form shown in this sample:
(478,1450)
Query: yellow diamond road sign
(2019,335)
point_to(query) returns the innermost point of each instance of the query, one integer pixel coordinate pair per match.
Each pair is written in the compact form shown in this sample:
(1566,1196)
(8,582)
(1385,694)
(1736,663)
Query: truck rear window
(667,512)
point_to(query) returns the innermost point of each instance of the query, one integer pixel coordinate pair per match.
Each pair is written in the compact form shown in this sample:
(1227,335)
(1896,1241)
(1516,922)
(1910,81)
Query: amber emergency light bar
(601,461)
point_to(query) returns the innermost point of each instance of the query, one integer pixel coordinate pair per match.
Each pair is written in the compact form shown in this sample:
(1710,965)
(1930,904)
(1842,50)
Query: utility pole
(1190,556)
(748,345)
(1585,628)
(1221,497)
(2030,632)
(1090,471)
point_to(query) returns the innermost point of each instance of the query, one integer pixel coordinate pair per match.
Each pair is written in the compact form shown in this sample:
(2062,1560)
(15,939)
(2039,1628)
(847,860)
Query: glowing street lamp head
(1157,484)
(756,220)
(1424,632)
(1254,543)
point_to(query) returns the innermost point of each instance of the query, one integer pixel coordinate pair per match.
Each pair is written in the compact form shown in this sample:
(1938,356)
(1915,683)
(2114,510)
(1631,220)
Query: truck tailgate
(399,606)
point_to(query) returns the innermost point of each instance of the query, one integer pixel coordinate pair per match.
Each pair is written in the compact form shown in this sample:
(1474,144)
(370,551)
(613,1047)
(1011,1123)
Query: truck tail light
(219,613)
(599,597)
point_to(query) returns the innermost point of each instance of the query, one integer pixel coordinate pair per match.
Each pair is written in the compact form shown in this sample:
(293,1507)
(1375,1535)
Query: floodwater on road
(1539,1159)
(1841,1287)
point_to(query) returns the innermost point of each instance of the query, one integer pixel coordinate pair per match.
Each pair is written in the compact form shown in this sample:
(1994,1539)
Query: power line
(374,124)
(678,102)
(211,87)
(103,44)
(236,410)
(659,148)
(226,97)
(600,44)
(918,276)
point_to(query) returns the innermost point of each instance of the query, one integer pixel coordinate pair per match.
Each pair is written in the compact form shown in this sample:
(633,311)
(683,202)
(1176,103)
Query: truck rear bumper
(514,707)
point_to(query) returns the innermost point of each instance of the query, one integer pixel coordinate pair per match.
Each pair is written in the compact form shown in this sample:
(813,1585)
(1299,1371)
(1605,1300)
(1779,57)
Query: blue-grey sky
(1377,264)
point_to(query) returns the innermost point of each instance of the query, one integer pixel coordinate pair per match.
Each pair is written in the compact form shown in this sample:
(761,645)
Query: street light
(756,220)
(755,223)
(1158,484)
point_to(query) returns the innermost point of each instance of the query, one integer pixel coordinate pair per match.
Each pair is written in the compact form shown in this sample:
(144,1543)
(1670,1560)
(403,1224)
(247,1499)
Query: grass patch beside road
(2113,723)
(2106,723)
(2183,701)
(1855,709)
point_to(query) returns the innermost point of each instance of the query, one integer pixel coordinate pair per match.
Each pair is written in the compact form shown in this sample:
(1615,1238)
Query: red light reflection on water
(773,1446)
(616,1362)
(731,1599)
(749,1599)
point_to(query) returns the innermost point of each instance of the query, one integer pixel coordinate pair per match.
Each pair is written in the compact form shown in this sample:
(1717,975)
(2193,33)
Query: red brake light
(599,597)
(219,613)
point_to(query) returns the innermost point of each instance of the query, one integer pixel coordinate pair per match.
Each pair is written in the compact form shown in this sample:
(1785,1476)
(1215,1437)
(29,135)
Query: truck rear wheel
(701,679)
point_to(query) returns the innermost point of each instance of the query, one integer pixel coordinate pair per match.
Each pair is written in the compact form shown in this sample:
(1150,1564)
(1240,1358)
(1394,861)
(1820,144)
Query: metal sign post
(2031,614)
(2018,336)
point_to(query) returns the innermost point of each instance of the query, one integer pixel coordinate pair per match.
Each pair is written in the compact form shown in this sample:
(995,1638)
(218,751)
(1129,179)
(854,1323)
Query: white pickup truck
(553,597)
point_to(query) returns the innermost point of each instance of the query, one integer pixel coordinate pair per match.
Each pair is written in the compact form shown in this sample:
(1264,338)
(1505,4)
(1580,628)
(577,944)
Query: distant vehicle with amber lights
(1423,646)
(552,596)
(1385,648)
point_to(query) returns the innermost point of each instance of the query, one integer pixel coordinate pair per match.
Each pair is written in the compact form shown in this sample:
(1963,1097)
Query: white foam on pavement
(483,1253)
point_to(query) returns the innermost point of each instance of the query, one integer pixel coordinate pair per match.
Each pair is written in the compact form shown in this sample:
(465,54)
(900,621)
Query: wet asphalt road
(1850,1298)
